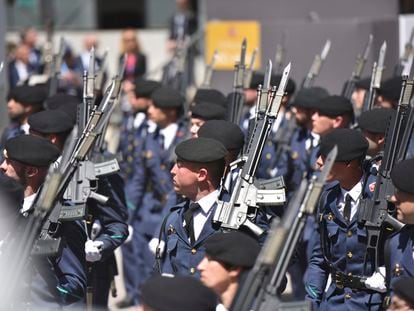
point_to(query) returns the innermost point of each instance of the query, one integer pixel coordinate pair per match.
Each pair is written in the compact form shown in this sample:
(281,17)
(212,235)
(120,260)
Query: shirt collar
(208,201)
(169,133)
(355,192)
(28,202)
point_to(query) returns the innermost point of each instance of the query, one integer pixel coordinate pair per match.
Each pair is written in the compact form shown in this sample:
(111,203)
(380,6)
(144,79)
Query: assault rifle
(316,66)
(280,56)
(375,213)
(403,62)
(208,73)
(349,85)
(237,96)
(245,198)
(377,69)
(260,290)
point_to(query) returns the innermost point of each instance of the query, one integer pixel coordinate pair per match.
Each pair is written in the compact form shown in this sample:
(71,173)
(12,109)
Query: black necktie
(189,220)
(347,207)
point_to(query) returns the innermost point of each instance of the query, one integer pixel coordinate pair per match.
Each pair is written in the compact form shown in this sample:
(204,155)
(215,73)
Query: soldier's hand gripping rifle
(349,85)
(208,73)
(403,61)
(316,66)
(376,76)
(375,213)
(237,96)
(245,198)
(260,290)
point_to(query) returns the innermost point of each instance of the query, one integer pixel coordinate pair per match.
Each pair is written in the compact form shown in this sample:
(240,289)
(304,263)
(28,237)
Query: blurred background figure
(29,38)
(19,67)
(136,61)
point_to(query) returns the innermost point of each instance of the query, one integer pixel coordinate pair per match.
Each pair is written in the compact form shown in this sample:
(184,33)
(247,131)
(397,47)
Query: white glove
(96,229)
(153,244)
(93,250)
(377,281)
(130,234)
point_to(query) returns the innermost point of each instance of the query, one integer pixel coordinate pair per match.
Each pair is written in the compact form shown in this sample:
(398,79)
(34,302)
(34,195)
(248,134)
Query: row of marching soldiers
(175,166)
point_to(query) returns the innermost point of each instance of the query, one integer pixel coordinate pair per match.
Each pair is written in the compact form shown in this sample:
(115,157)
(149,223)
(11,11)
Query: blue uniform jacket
(180,256)
(401,246)
(61,281)
(346,246)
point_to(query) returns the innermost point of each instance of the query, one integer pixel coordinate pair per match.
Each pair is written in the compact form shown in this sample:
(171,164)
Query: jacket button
(349,254)
(347,296)
(192,270)
(193,251)
(349,233)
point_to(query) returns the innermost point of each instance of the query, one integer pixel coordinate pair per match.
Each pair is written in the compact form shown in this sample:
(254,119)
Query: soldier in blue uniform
(335,276)
(55,281)
(152,182)
(196,175)
(399,248)
(389,93)
(107,221)
(23,101)
(403,298)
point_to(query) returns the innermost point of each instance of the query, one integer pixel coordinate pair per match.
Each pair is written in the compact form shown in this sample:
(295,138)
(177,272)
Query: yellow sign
(226,37)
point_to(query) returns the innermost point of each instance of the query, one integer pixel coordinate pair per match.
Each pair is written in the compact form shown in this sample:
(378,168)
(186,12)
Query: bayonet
(249,71)
(316,66)
(209,72)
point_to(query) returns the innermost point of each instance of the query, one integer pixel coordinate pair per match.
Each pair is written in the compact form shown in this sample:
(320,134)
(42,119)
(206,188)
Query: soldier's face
(14,169)
(336,171)
(399,304)
(404,203)
(16,110)
(185,177)
(321,124)
(158,115)
(302,115)
(215,276)
(196,123)
(250,96)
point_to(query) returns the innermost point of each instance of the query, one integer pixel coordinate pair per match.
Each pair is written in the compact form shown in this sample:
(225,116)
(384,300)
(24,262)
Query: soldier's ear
(202,174)
(31,171)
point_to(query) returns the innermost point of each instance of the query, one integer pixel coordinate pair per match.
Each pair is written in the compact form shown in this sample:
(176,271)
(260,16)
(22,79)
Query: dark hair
(215,170)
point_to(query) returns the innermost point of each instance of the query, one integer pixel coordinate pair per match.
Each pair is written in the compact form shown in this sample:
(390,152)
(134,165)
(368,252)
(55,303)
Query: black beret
(29,95)
(31,150)
(208,111)
(144,88)
(226,132)
(11,195)
(290,86)
(403,288)
(50,122)
(257,78)
(375,120)
(182,293)
(334,105)
(201,150)
(234,248)
(64,102)
(309,97)
(363,83)
(351,144)
(165,97)
(402,176)
(210,96)
(391,88)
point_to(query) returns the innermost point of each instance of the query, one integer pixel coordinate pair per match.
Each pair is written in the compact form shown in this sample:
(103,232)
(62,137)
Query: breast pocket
(171,252)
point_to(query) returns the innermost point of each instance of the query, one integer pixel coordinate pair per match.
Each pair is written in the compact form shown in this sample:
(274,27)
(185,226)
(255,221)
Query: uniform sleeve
(113,215)
(317,272)
(70,267)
